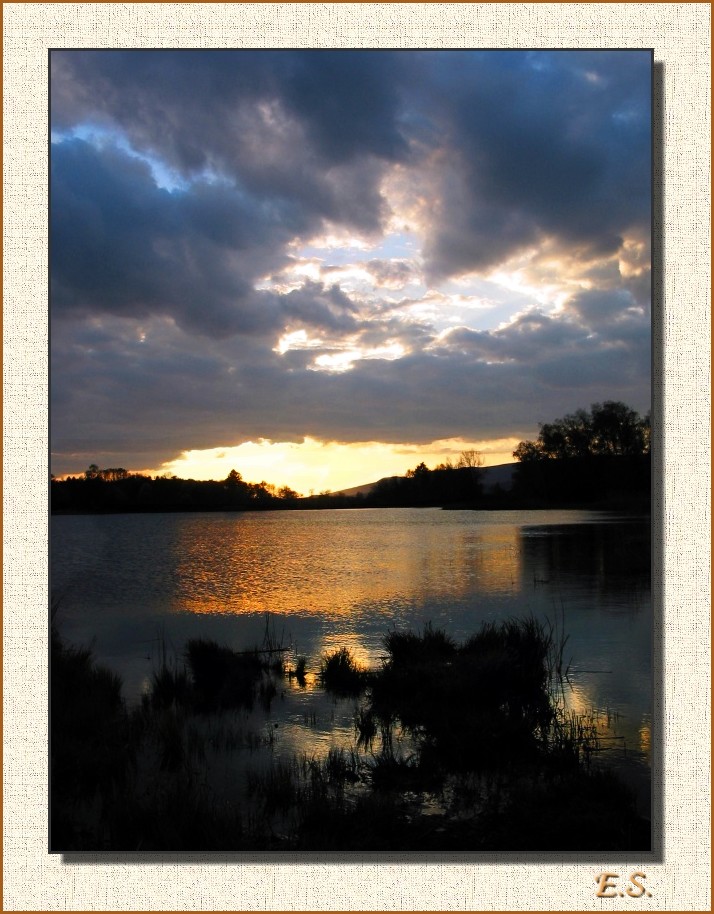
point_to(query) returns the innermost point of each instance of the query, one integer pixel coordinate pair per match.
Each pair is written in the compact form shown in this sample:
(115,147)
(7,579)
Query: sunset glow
(312,466)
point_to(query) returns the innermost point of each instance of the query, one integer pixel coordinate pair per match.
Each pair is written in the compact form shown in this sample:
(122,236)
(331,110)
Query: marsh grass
(299,673)
(342,766)
(139,779)
(413,773)
(170,687)
(340,673)
(91,739)
(365,728)
(475,731)
(222,678)
(408,648)
(484,703)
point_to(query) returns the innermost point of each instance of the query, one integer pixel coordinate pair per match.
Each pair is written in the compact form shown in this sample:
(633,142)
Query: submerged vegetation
(456,747)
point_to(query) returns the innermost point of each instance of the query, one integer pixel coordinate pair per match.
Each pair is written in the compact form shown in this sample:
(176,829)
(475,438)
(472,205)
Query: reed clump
(483,703)
(300,671)
(342,674)
(222,677)
(91,739)
(479,722)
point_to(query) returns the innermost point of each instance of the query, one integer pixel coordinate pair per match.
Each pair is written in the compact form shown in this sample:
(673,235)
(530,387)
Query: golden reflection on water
(615,731)
(646,739)
(246,568)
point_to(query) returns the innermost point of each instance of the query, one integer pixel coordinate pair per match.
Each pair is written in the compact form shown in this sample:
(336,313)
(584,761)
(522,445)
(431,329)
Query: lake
(324,579)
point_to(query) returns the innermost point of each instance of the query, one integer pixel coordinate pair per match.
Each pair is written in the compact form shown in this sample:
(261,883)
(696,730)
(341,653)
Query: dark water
(334,578)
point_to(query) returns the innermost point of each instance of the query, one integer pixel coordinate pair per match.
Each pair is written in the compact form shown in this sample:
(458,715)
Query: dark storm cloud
(349,100)
(309,128)
(125,246)
(319,306)
(540,145)
(531,143)
(201,172)
(191,105)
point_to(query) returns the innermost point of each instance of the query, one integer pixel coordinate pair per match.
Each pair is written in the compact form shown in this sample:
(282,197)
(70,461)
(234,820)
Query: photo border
(678,871)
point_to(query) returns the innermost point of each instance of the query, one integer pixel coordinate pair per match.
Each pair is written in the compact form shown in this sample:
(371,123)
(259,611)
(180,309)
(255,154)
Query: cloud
(144,395)
(313,131)
(538,153)
(124,246)
(392,274)
(225,222)
(601,309)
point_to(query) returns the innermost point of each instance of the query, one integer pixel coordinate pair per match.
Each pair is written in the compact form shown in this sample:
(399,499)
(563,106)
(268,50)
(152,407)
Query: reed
(340,673)
(483,713)
(223,678)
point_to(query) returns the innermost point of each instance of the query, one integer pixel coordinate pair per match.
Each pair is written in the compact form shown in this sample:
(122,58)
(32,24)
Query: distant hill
(501,475)
(363,489)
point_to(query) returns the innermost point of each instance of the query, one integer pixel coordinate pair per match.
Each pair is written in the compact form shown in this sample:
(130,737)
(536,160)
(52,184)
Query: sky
(324,267)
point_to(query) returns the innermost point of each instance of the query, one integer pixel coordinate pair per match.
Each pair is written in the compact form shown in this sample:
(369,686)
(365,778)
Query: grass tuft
(222,677)
(340,673)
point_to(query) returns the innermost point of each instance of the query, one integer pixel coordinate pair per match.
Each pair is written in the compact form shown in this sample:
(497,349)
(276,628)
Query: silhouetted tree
(610,428)
(617,429)
(471,459)
(586,458)
(529,451)
(112,474)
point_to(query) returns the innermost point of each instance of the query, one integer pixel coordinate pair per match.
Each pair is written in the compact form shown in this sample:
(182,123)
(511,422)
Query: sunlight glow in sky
(317,466)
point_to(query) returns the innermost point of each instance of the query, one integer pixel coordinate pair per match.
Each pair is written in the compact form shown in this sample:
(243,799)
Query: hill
(501,475)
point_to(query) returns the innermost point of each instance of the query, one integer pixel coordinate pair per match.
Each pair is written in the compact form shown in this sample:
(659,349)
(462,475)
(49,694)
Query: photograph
(350,413)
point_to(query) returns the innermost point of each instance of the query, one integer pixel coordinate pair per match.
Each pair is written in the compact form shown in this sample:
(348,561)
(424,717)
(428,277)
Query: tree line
(114,490)
(595,458)
(448,484)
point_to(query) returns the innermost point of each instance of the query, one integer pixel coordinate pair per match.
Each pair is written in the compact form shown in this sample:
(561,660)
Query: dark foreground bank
(457,747)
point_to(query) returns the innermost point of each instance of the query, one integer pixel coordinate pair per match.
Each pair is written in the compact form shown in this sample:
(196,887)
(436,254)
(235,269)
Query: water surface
(334,578)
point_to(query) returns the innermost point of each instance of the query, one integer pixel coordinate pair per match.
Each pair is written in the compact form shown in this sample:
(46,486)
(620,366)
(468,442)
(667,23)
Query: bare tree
(472,459)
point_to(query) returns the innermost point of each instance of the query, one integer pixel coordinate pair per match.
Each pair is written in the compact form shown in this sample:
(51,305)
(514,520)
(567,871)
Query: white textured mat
(679,878)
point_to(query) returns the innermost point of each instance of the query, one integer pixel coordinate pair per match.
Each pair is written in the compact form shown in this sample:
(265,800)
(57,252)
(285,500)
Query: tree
(471,459)
(112,474)
(617,429)
(528,451)
(570,436)
(610,428)
(92,472)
